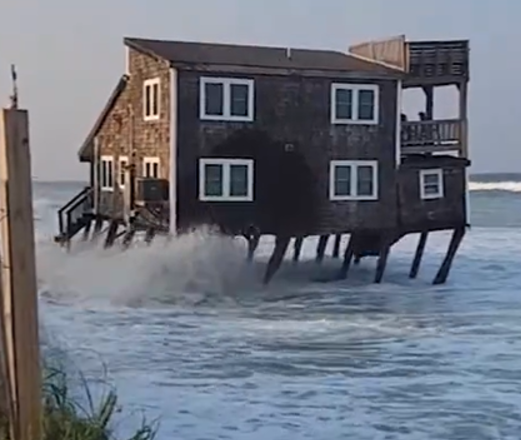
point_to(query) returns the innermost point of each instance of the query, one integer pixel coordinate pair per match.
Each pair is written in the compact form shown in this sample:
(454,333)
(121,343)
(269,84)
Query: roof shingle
(255,56)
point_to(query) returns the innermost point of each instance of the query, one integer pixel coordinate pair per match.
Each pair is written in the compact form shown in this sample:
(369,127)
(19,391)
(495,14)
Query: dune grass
(65,418)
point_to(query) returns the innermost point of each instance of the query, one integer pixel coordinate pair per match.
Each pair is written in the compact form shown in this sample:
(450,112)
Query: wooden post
(415,267)
(348,256)
(321,248)
(297,248)
(19,285)
(385,247)
(455,241)
(336,247)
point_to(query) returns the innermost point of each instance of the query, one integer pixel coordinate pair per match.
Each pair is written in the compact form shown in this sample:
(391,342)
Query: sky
(69,55)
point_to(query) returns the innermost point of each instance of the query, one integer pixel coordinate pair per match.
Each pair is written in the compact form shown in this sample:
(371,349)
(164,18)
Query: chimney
(288,53)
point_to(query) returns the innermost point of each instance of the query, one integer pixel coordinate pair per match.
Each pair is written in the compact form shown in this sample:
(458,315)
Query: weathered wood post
(19,302)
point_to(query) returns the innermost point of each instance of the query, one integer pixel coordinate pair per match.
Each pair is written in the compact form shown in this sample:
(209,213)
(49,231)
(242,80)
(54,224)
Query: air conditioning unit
(149,190)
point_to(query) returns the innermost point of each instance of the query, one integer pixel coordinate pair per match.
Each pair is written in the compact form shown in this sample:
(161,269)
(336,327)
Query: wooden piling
(415,267)
(297,248)
(18,271)
(281,245)
(111,234)
(336,247)
(348,256)
(321,248)
(385,247)
(455,241)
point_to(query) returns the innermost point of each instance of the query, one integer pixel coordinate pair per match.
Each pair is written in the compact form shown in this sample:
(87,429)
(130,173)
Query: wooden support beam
(336,247)
(18,272)
(111,234)
(297,248)
(149,235)
(253,244)
(348,256)
(321,248)
(429,102)
(98,225)
(455,241)
(415,267)
(86,230)
(281,245)
(128,237)
(385,247)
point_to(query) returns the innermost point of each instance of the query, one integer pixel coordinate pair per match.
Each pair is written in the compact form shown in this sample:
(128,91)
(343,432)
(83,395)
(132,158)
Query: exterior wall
(291,187)
(125,126)
(447,212)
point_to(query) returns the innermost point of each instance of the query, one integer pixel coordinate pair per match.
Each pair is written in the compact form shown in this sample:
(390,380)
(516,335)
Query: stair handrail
(71,205)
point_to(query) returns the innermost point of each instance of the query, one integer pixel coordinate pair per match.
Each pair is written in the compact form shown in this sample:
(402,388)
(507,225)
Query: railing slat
(436,133)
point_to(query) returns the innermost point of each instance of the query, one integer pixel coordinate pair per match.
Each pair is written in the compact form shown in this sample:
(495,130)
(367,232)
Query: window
(431,184)
(353,180)
(123,163)
(151,167)
(151,99)
(106,175)
(226,179)
(226,99)
(354,104)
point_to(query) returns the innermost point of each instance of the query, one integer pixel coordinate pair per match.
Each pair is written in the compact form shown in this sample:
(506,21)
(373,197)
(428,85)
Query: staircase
(74,215)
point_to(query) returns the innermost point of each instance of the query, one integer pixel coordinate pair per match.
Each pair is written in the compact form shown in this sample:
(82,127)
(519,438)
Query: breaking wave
(507,186)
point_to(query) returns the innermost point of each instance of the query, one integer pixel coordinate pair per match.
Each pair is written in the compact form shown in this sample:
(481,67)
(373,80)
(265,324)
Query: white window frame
(355,88)
(122,163)
(104,186)
(151,161)
(225,163)
(148,95)
(353,164)
(226,83)
(432,172)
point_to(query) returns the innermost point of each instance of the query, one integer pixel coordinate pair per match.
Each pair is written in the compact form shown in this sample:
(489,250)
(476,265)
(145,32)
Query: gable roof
(188,52)
(85,151)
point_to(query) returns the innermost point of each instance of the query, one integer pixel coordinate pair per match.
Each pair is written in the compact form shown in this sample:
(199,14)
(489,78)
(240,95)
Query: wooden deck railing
(431,136)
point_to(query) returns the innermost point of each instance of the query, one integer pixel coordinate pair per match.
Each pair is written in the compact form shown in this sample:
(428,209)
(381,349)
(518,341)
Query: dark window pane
(213,180)
(342,180)
(238,180)
(365,182)
(239,99)
(430,179)
(344,104)
(147,100)
(366,100)
(155,99)
(214,98)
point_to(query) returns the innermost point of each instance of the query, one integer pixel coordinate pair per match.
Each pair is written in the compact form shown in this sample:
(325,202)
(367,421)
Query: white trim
(225,163)
(226,83)
(353,164)
(121,171)
(172,181)
(127,60)
(467,195)
(438,172)
(356,89)
(399,103)
(148,86)
(103,184)
(151,161)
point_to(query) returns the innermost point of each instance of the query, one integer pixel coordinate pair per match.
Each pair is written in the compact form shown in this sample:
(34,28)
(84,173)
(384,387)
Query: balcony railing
(431,136)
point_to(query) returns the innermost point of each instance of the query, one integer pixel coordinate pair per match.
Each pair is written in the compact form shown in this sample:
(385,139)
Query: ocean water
(188,335)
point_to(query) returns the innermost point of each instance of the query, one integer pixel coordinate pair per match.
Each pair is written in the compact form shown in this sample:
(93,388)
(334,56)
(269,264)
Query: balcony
(432,136)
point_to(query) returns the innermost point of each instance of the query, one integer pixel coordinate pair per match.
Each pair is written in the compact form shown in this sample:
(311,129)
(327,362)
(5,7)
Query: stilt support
(321,248)
(415,267)
(253,244)
(444,270)
(149,235)
(128,237)
(98,224)
(348,256)
(111,234)
(86,230)
(336,248)
(297,248)
(281,245)
(385,247)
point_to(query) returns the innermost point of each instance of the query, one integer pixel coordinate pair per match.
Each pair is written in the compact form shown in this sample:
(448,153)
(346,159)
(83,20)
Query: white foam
(511,186)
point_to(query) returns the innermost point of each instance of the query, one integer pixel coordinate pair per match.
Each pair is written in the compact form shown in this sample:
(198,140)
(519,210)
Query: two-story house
(264,140)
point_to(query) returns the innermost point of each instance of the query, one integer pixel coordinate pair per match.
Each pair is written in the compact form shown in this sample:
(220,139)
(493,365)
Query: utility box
(150,190)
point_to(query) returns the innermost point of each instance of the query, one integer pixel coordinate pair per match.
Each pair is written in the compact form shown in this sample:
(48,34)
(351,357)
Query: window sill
(151,118)
(353,198)
(225,199)
(353,122)
(216,118)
